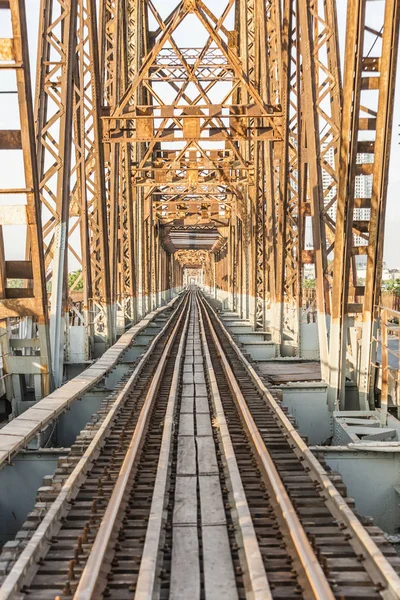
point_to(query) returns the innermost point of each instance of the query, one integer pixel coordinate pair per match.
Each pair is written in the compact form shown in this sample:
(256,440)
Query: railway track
(192,482)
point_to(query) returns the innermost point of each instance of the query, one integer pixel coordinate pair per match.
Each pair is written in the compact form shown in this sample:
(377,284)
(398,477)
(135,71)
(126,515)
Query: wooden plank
(186,462)
(304,371)
(23,307)
(19,293)
(211,502)
(10,139)
(19,269)
(7,49)
(185,504)
(219,577)
(8,441)
(185,565)
(206,457)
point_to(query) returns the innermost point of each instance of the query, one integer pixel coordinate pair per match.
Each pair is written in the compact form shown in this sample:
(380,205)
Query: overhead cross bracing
(158,130)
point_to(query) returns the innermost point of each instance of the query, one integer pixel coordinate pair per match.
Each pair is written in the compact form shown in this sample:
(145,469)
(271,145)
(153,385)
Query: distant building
(328,183)
(363,189)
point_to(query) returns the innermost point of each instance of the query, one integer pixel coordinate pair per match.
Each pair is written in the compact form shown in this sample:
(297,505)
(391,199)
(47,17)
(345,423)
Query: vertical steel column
(244,47)
(54,96)
(90,167)
(291,234)
(27,303)
(366,133)
(111,74)
(137,41)
(311,124)
(126,286)
(270,57)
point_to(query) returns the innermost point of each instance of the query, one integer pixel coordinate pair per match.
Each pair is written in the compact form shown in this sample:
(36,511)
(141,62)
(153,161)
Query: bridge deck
(17,434)
(286,371)
(191,480)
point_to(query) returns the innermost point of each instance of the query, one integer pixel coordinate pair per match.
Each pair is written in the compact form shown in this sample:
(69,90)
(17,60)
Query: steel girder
(118,161)
(90,183)
(23,307)
(368,97)
(53,118)
(71,170)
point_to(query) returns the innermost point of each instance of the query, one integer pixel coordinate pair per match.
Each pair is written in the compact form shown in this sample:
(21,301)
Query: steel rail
(61,399)
(255,571)
(25,567)
(88,584)
(310,572)
(145,586)
(377,566)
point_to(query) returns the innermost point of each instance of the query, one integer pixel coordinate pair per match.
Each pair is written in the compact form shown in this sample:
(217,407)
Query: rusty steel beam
(365,152)
(26,305)
(53,118)
(90,189)
(270,163)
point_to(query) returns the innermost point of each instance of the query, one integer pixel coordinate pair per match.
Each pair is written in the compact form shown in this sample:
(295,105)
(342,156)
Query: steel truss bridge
(152,146)
(252,148)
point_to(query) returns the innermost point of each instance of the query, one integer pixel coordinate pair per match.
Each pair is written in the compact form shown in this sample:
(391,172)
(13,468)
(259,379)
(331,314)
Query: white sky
(15,236)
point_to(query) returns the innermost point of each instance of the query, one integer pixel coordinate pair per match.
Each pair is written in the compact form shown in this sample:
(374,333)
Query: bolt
(67,589)
(86,530)
(71,570)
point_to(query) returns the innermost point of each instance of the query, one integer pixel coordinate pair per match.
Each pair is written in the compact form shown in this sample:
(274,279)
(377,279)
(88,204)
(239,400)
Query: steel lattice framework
(241,155)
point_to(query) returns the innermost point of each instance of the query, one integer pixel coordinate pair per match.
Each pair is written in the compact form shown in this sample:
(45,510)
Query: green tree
(309,284)
(394,286)
(15,283)
(72,279)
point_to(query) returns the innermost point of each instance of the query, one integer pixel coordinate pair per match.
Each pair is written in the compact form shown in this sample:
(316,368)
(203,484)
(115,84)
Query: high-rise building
(328,181)
(362,189)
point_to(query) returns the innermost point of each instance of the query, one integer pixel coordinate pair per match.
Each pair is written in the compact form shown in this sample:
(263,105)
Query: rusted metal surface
(134,529)
(312,575)
(89,582)
(248,131)
(377,566)
(28,301)
(365,152)
(52,406)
